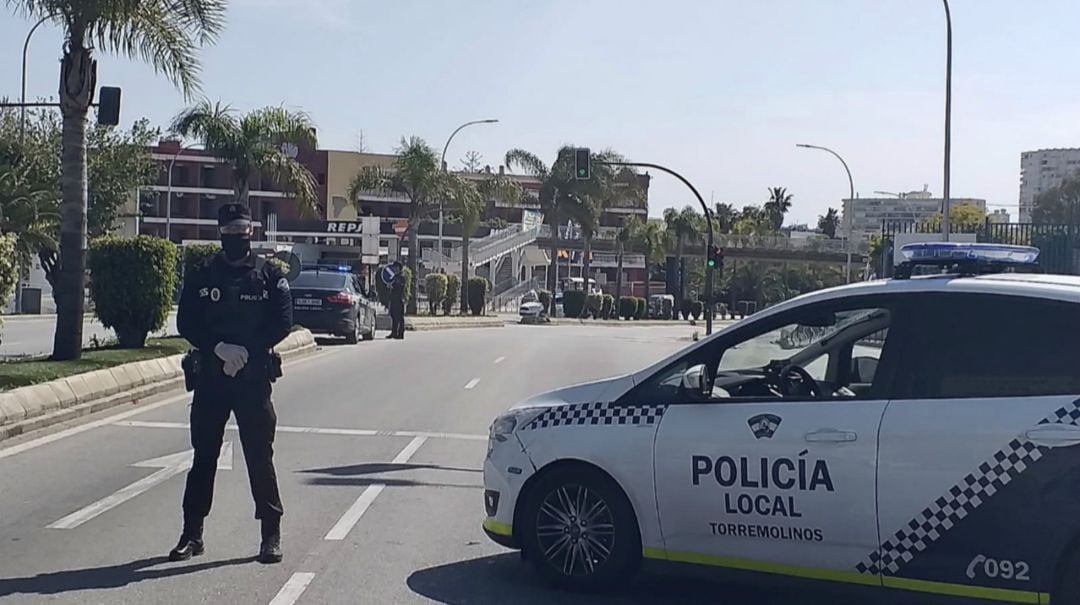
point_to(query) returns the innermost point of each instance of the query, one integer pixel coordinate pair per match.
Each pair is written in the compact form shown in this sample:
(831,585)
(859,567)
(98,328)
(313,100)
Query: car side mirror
(693,380)
(863,370)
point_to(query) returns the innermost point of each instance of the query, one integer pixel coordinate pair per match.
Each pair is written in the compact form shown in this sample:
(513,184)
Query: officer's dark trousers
(255,417)
(397,320)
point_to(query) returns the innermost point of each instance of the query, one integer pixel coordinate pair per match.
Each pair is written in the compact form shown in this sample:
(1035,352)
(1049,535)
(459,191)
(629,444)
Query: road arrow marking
(170,466)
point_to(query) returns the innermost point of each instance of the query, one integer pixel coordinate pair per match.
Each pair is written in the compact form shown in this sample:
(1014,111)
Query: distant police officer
(234,308)
(397,302)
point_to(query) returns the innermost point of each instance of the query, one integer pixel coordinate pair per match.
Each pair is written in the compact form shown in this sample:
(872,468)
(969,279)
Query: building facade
(999,216)
(1041,170)
(868,214)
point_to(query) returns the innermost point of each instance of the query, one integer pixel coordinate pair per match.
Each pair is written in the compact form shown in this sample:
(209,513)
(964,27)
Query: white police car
(917,433)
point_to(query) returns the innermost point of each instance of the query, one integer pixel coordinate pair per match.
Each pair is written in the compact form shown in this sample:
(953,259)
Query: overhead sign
(346,227)
(531,219)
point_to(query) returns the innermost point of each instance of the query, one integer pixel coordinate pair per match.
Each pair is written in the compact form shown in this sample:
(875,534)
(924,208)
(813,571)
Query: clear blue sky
(720,89)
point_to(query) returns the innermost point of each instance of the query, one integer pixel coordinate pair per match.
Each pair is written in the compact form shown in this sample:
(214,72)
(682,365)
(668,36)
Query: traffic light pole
(708,224)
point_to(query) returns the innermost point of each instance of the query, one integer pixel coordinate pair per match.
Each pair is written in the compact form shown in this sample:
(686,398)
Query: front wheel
(579,530)
(353,337)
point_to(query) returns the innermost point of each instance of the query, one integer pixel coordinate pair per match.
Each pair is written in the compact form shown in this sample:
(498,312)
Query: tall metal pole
(849,206)
(946,202)
(168,192)
(26,49)
(708,225)
(442,163)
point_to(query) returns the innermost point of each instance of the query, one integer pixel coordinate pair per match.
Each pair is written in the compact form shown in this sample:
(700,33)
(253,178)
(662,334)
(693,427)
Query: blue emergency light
(966,258)
(334,268)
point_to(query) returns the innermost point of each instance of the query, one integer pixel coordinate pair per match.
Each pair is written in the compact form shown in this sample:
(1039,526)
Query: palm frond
(294,177)
(527,162)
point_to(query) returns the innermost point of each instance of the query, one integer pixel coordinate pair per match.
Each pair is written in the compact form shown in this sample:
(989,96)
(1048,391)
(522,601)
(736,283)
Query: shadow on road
(112,576)
(489,581)
(365,481)
(381,467)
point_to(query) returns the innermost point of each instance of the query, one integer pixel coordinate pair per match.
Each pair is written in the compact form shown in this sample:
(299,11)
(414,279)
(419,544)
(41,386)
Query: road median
(79,393)
(428,323)
(635,323)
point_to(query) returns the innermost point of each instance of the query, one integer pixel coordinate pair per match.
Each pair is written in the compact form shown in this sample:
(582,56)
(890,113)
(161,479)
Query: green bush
(190,256)
(453,292)
(9,269)
(667,309)
(696,308)
(280,264)
(132,285)
(627,307)
(642,308)
(573,303)
(435,284)
(478,290)
(545,299)
(594,304)
(606,306)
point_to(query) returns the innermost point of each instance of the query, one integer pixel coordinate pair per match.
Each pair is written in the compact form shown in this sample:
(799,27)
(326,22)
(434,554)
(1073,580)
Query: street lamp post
(168,192)
(708,226)
(26,49)
(848,211)
(948,122)
(443,164)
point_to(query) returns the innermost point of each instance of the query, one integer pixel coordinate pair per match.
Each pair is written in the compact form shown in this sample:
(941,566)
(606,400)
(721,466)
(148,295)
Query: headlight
(506,424)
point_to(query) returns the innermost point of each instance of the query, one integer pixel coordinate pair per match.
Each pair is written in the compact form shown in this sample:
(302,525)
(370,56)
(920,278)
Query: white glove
(234,356)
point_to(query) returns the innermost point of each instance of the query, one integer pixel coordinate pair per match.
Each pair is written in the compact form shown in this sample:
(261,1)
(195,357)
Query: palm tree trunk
(553,268)
(243,192)
(464,268)
(78,74)
(414,259)
(646,276)
(681,293)
(586,261)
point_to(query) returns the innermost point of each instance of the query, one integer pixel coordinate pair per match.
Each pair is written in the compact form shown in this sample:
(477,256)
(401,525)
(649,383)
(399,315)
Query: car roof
(1065,288)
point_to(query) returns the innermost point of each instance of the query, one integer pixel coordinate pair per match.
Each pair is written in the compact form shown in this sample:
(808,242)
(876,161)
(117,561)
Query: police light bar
(947,253)
(334,268)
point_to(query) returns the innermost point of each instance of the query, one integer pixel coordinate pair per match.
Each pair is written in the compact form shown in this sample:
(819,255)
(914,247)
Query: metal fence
(1058,244)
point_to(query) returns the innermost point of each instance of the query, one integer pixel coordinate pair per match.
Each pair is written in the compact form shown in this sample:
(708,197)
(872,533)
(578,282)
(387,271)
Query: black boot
(270,551)
(190,544)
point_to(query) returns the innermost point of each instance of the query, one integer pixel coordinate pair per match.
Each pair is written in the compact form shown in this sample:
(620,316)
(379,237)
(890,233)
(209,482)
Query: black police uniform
(243,302)
(397,306)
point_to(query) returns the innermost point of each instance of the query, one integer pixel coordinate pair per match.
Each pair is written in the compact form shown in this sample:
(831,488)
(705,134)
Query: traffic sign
(387,275)
(401,227)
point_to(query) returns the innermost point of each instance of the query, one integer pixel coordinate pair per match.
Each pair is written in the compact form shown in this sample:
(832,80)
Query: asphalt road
(415,415)
(33,334)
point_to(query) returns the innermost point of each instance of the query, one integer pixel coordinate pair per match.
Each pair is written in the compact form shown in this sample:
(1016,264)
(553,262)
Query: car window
(994,346)
(830,344)
(320,279)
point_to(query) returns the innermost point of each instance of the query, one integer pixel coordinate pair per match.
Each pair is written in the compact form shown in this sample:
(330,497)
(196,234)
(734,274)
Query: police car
(919,433)
(330,299)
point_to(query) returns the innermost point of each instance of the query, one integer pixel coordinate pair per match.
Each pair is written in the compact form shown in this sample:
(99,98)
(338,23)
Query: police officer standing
(233,309)
(397,303)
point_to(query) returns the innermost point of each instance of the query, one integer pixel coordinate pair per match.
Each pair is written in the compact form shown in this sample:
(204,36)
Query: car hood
(604,390)
(531,304)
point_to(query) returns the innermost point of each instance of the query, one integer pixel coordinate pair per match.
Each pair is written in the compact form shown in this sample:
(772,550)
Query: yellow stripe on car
(500,529)
(848,577)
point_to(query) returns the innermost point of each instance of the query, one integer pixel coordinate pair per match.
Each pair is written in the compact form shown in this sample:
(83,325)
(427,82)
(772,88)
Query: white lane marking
(500,360)
(472,383)
(358,508)
(170,465)
(292,589)
(47,439)
(317,431)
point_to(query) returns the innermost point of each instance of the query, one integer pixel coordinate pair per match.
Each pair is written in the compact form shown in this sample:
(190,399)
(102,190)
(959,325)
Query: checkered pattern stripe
(598,414)
(963,498)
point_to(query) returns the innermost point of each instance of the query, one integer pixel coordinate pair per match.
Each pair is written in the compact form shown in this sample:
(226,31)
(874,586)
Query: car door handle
(1054,435)
(831,436)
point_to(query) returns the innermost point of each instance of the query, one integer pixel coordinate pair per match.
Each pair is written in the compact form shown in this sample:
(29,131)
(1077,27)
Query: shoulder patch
(283,285)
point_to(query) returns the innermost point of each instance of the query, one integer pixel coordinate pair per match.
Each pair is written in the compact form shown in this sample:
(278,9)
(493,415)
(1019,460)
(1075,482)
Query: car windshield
(320,280)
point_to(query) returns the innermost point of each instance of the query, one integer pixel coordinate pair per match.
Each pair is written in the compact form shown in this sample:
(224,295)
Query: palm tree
(468,201)
(829,222)
(165,33)
(626,234)
(652,240)
(725,216)
(29,214)
(682,225)
(253,144)
(778,205)
(418,175)
(607,188)
(556,185)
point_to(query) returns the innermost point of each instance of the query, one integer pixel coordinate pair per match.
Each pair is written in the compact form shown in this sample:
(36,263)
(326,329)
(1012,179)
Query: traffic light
(582,167)
(716,257)
(109,106)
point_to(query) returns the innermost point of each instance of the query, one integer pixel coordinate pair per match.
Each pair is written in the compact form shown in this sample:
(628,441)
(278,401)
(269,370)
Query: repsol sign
(344,227)
(763,473)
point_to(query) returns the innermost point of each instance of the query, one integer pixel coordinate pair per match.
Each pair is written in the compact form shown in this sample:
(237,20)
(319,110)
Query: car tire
(607,541)
(354,336)
(370,334)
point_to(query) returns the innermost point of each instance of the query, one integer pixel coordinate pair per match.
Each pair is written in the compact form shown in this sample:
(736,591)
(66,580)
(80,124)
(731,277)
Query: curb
(41,405)
(453,325)
(562,321)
